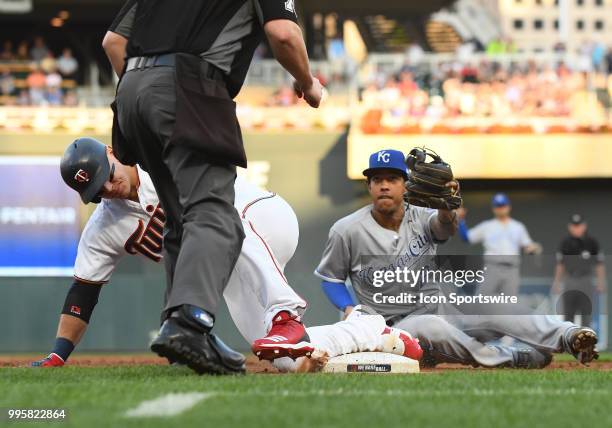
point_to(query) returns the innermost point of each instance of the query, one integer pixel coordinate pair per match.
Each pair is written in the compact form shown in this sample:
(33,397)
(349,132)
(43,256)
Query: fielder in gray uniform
(408,236)
(504,239)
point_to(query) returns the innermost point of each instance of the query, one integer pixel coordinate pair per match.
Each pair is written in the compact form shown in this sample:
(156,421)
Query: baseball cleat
(581,342)
(527,357)
(286,338)
(399,342)
(272,351)
(51,360)
(201,352)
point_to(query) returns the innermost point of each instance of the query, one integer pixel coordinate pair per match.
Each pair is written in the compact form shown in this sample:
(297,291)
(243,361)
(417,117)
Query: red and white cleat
(51,360)
(399,342)
(287,338)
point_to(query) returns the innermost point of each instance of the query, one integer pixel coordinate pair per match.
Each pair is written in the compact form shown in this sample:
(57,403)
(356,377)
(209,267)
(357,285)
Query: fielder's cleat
(399,342)
(581,343)
(51,360)
(287,338)
(527,357)
(183,340)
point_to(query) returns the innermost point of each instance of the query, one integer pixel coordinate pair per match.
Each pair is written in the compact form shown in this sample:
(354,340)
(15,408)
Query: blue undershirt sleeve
(338,294)
(463,231)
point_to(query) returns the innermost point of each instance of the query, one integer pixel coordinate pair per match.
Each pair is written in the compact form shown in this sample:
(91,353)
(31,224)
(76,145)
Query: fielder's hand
(347,312)
(461,213)
(311,94)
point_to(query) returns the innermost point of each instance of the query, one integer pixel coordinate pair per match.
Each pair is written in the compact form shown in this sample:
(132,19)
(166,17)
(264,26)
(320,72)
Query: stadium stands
(35,76)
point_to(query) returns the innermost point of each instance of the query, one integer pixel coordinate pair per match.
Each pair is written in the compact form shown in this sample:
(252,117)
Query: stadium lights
(63,14)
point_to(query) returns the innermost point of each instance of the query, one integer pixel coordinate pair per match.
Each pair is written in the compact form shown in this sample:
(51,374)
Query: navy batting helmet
(85,168)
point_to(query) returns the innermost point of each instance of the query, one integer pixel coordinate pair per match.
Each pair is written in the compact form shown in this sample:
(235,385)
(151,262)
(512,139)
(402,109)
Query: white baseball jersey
(500,239)
(257,288)
(117,228)
(120,227)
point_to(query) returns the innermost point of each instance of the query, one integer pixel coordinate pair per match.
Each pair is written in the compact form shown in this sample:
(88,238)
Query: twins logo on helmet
(81,176)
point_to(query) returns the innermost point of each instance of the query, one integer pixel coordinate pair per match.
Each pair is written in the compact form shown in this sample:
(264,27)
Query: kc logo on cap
(81,176)
(384,156)
(386,159)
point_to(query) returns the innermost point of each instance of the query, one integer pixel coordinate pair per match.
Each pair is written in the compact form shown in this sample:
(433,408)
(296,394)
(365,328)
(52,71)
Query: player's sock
(63,347)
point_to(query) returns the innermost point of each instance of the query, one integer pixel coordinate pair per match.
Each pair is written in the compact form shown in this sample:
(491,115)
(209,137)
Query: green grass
(101,396)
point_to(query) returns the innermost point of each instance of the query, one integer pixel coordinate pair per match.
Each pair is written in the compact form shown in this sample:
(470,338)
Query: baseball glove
(426,184)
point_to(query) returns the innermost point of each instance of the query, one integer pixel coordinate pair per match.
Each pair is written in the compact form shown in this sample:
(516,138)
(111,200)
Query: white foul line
(175,404)
(167,405)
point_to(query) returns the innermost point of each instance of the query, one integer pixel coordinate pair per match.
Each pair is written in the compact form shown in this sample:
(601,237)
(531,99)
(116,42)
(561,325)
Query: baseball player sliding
(263,305)
(398,225)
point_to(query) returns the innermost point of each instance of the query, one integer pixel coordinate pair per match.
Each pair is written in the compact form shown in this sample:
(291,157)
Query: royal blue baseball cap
(500,200)
(386,159)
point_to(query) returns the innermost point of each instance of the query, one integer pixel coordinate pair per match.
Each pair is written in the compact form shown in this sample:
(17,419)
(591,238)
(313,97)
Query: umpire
(579,259)
(180,66)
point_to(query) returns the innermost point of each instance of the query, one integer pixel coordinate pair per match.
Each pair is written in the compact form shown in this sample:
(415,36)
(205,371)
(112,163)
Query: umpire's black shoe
(185,338)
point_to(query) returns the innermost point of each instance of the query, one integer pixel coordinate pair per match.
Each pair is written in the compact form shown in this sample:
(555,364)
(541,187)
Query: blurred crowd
(483,90)
(490,91)
(32,74)
(285,96)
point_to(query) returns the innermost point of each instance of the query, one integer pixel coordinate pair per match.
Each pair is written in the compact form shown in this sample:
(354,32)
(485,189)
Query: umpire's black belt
(168,60)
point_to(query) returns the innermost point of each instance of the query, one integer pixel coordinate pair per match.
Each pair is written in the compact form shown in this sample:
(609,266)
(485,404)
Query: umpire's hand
(311,94)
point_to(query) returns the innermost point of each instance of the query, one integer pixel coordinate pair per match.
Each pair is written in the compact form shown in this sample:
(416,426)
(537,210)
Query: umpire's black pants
(203,234)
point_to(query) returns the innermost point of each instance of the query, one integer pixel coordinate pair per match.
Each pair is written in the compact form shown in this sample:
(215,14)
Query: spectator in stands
(22,52)
(495,47)
(284,97)
(598,55)
(53,79)
(7,82)
(414,55)
(7,51)
(407,85)
(48,63)
(67,64)
(39,49)
(54,96)
(37,82)
(609,60)
(585,62)
(559,48)
(23,99)
(70,99)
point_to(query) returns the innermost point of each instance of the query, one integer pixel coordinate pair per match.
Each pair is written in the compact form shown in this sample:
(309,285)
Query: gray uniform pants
(203,234)
(461,338)
(501,278)
(578,298)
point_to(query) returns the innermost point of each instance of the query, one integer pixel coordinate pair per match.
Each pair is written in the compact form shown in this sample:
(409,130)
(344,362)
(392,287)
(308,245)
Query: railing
(392,62)
(75,120)
(268,72)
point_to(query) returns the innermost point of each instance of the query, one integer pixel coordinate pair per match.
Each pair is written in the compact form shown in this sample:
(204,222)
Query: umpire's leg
(203,233)
(212,230)
(146,105)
